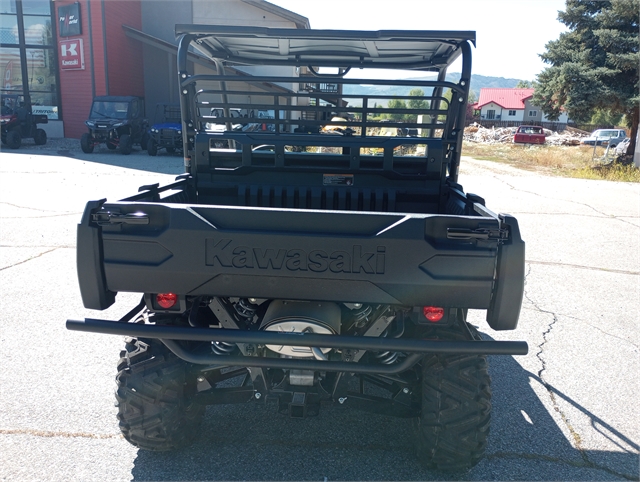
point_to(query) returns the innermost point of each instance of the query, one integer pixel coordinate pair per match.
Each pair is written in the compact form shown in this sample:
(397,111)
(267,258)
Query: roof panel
(400,49)
(505,98)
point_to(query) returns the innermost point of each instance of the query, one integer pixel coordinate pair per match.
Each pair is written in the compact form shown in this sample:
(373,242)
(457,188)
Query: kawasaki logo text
(224,252)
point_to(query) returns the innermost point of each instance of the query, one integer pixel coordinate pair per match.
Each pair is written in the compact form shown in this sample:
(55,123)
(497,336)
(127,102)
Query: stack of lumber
(477,133)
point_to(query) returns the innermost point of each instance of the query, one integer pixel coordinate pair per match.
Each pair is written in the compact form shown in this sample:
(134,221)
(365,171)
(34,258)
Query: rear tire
(111,146)
(40,138)
(14,139)
(152,147)
(456,408)
(126,144)
(86,143)
(155,398)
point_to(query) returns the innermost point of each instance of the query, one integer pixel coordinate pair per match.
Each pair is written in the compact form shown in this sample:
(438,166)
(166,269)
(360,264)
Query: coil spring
(222,347)
(389,357)
(361,317)
(245,309)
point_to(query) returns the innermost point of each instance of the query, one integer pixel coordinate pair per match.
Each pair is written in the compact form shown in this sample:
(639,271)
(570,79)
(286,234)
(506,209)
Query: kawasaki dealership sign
(71,54)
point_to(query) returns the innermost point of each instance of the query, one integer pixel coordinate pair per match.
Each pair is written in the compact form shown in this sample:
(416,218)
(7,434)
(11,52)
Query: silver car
(604,137)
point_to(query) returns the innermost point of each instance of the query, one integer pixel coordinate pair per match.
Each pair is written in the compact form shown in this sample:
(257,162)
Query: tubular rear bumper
(415,348)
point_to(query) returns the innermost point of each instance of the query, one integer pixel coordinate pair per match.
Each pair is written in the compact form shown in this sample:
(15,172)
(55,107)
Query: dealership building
(63,53)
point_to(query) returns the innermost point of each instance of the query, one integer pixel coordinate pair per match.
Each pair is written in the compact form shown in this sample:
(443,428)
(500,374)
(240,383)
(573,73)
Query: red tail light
(433,313)
(166,300)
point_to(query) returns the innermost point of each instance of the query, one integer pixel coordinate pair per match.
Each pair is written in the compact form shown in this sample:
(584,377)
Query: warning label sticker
(337,179)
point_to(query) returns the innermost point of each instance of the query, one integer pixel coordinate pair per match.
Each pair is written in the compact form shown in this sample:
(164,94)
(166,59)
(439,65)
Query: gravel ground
(53,144)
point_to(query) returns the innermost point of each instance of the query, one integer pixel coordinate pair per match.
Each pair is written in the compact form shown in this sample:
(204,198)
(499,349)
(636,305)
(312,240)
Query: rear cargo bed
(395,258)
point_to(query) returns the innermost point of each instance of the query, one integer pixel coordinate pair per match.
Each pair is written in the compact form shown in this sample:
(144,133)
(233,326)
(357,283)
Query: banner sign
(69,21)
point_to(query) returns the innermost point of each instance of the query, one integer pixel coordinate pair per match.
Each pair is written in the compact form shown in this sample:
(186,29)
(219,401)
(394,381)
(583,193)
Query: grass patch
(612,172)
(568,161)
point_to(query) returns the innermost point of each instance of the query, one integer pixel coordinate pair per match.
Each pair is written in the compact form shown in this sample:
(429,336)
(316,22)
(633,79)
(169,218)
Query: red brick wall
(75,85)
(124,60)
(124,54)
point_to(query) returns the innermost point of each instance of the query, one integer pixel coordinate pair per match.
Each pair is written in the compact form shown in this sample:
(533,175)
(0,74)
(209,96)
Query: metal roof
(505,98)
(395,49)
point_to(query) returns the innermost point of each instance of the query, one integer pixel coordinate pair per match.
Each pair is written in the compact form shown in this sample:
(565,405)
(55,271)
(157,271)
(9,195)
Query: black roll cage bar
(210,41)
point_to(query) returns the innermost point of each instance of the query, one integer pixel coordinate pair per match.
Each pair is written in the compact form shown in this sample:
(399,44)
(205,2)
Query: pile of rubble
(477,133)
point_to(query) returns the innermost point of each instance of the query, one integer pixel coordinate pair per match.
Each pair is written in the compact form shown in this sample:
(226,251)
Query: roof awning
(193,57)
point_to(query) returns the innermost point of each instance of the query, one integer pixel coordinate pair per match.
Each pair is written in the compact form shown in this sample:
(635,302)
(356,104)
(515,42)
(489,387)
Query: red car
(529,135)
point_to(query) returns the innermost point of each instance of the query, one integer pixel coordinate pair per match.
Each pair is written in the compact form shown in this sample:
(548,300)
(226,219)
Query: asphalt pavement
(566,411)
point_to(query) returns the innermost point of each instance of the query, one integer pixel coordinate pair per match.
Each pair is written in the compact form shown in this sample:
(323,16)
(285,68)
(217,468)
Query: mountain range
(477,82)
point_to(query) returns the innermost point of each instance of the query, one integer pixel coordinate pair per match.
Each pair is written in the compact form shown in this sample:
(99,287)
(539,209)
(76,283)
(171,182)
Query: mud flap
(508,290)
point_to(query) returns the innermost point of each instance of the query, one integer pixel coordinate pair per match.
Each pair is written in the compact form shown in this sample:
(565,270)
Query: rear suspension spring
(389,357)
(245,309)
(222,348)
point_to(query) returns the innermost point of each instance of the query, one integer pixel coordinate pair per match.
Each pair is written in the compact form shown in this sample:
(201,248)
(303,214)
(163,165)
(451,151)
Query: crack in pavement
(40,217)
(31,258)
(592,268)
(619,271)
(580,320)
(546,458)
(27,207)
(577,440)
(603,214)
(48,433)
(578,215)
(495,455)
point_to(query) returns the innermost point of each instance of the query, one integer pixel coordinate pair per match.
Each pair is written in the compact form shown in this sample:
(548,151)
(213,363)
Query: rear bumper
(414,348)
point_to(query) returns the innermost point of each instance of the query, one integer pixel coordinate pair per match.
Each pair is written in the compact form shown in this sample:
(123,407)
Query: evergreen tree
(524,84)
(595,64)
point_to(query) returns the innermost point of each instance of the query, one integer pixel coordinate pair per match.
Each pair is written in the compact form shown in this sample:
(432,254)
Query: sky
(509,33)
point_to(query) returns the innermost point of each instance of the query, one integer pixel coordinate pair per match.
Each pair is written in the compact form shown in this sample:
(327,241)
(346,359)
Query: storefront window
(30,20)
(45,103)
(10,69)
(37,31)
(8,6)
(36,7)
(8,29)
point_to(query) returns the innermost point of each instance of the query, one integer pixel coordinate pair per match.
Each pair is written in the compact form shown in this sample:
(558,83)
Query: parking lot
(566,411)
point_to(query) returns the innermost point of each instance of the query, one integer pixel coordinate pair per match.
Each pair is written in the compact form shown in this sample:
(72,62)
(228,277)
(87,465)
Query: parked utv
(167,133)
(118,122)
(296,267)
(18,121)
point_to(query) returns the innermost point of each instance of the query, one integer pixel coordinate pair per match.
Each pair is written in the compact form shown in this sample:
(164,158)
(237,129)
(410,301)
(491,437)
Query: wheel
(13,139)
(456,408)
(111,146)
(86,143)
(126,144)
(40,138)
(144,142)
(154,397)
(152,147)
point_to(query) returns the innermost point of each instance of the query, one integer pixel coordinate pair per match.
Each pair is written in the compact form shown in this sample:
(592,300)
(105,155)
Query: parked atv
(118,122)
(167,133)
(18,121)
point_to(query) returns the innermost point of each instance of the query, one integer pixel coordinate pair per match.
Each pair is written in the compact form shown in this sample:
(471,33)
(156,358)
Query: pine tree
(595,64)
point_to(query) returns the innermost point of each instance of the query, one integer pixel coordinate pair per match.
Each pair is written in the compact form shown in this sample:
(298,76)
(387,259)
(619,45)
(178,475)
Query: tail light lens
(433,313)
(166,300)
